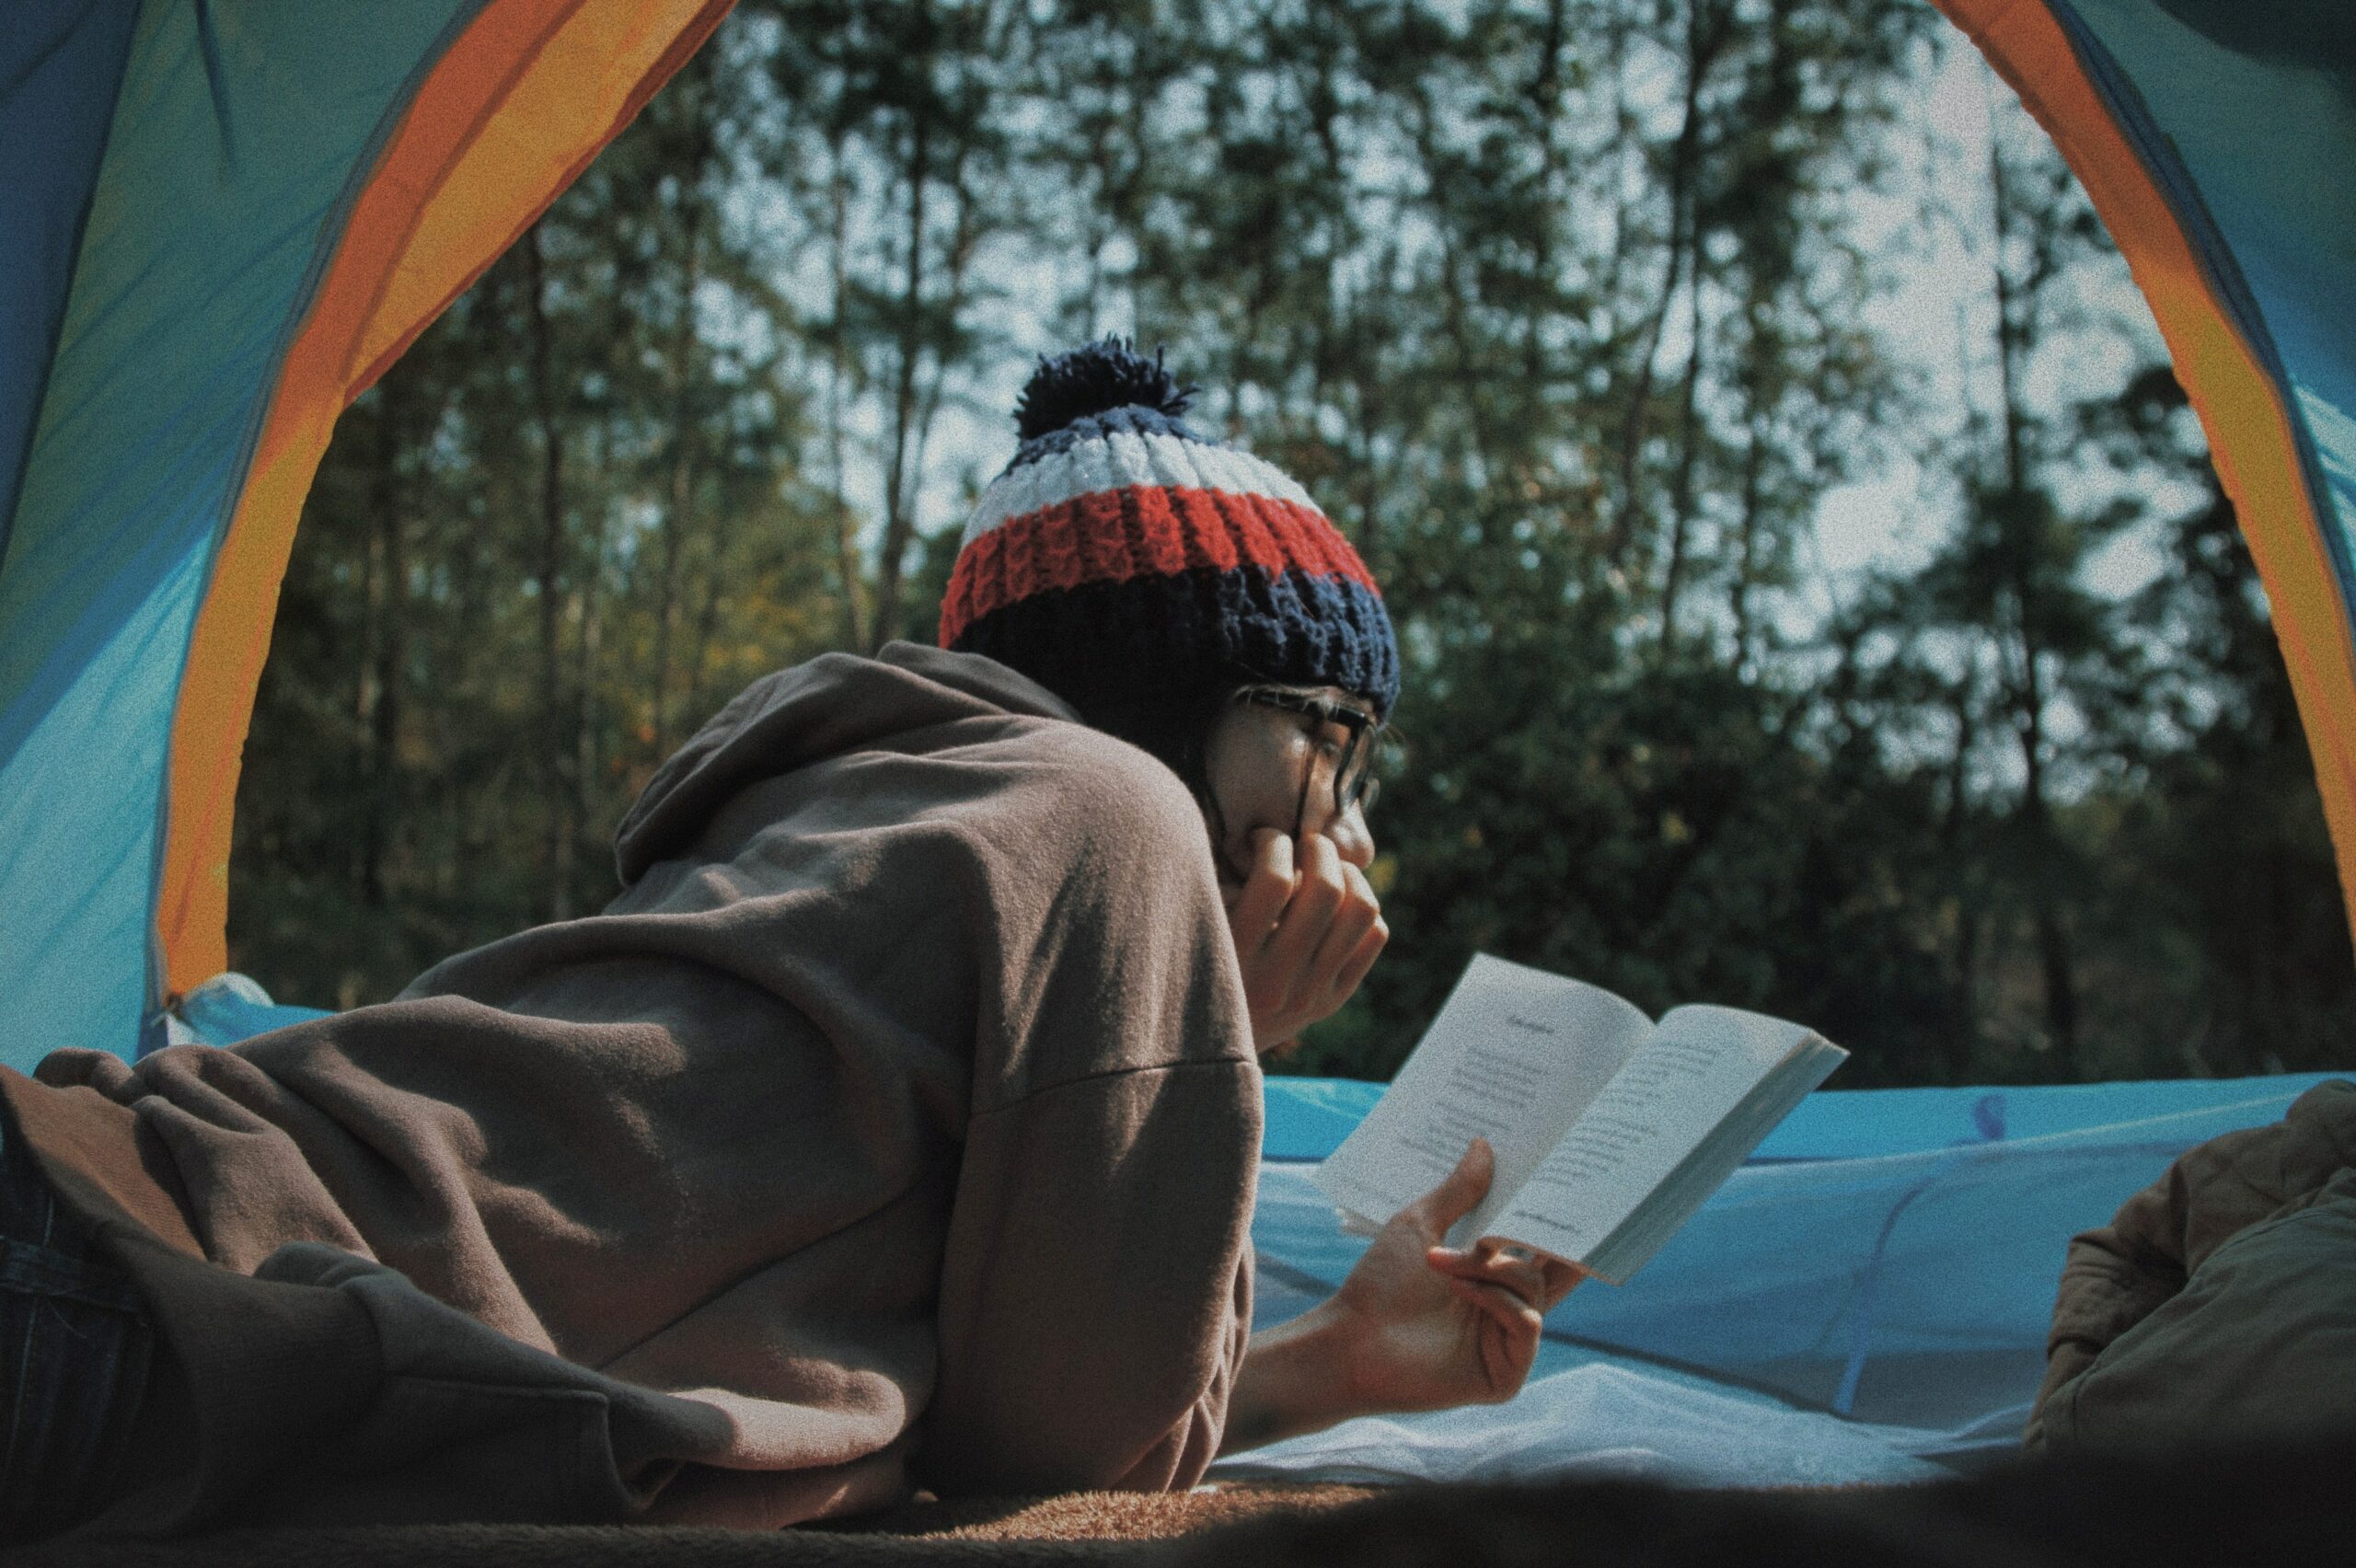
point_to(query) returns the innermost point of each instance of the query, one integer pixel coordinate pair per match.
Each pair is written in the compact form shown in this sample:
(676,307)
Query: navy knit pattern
(1109,647)
(1096,427)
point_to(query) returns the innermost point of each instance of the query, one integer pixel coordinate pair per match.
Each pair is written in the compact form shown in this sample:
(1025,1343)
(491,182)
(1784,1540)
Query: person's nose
(1351,838)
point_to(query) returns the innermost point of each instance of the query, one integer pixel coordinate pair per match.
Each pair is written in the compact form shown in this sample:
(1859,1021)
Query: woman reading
(894,1128)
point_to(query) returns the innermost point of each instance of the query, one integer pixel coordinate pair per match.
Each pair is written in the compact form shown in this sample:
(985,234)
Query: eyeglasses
(1351,767)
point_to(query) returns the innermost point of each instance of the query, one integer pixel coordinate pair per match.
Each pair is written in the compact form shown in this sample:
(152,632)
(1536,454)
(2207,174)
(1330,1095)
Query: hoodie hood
(834,703)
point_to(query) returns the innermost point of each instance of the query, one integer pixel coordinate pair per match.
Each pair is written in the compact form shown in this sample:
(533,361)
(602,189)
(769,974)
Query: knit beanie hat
(1135,568)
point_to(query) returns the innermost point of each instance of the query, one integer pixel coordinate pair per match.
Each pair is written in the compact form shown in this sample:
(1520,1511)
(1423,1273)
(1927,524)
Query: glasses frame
(1355,785)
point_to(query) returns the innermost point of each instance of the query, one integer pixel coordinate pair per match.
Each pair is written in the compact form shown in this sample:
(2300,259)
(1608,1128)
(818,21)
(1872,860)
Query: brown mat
(1080,1528)
(571,1545)
(1103,1515)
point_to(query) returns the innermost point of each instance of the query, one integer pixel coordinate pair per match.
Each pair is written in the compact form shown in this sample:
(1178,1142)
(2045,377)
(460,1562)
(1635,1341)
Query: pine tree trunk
(1707,28)
(682,485)
(847,560)
(557,719)
(589,602)
(388,584)
(1747,564)
(899,525)
(2021,522)
(1680,498)
(1963,1009)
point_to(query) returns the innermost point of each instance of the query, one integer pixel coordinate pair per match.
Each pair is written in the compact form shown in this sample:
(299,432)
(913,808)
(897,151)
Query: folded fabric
(2222,1299)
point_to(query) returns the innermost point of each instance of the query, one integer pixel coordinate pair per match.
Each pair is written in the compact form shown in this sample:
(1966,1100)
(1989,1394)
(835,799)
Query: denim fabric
(75,1343)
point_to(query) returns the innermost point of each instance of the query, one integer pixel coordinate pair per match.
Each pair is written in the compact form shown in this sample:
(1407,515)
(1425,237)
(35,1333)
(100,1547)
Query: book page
(1674,1091)
(1700,1173)
(1514,1057)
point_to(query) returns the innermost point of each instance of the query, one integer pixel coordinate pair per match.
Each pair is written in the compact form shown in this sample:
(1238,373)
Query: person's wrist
(1334,1344)
(1323,1346)
(1297,1377)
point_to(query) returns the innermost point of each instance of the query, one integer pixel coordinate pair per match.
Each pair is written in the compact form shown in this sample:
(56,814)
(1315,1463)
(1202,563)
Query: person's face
(1279,768)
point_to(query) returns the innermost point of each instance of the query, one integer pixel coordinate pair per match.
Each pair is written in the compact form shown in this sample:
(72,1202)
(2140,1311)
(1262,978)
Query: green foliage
(1561,311)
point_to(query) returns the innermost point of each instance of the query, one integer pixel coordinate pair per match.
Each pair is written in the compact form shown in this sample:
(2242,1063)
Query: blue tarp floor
(1866,1301)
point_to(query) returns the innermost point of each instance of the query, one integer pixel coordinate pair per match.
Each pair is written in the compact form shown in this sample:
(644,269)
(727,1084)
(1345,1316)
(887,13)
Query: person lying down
(895,1128)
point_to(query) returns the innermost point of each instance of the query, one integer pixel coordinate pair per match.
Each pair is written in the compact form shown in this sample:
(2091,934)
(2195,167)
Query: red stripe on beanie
(1140,531)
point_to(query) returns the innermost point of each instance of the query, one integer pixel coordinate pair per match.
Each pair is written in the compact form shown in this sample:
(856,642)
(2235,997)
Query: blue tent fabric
(1308,1117)
(162,341)
(216,220)
(2263,147)
(230,1007)
(60,62)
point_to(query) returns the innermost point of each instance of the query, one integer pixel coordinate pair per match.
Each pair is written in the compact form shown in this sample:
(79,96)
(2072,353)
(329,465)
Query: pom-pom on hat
(1129,564)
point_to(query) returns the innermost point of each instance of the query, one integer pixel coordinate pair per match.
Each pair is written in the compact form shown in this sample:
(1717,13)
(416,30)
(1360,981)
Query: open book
(1609,1129)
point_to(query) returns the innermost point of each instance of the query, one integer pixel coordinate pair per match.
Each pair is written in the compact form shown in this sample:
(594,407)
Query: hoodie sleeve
(1097,1292)
(1096,1285)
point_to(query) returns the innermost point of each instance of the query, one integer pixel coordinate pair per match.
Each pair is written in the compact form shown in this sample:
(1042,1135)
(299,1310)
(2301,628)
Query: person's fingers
(1489,1260)
(1459,1193)
(1370,947)
(1526,1277)
(1264,893)
(1497,1303)
(1317,895)
(1500,1301)
(1508,1335)
(1561,1278)
(1537,1278)
(1356,915)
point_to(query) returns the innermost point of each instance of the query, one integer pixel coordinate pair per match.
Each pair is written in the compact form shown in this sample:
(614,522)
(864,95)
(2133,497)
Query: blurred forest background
(1815,593)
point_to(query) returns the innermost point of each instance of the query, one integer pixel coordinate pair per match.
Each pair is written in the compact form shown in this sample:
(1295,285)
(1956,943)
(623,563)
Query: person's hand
(1418,1325)
(1305,934)
(1426,1326)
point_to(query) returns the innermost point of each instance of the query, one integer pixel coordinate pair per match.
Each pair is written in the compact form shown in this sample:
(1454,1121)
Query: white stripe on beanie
(1120,459)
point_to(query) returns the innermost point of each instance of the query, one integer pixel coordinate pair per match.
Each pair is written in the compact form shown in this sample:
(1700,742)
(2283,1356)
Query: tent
(220,219)
(223,219)
(241,212)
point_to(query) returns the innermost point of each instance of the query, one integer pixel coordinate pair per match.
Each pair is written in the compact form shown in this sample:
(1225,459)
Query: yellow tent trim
(2244,410)
(513,111)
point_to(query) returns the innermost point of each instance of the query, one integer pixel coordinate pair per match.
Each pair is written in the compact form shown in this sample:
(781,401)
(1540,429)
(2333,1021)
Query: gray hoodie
(896,1125)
